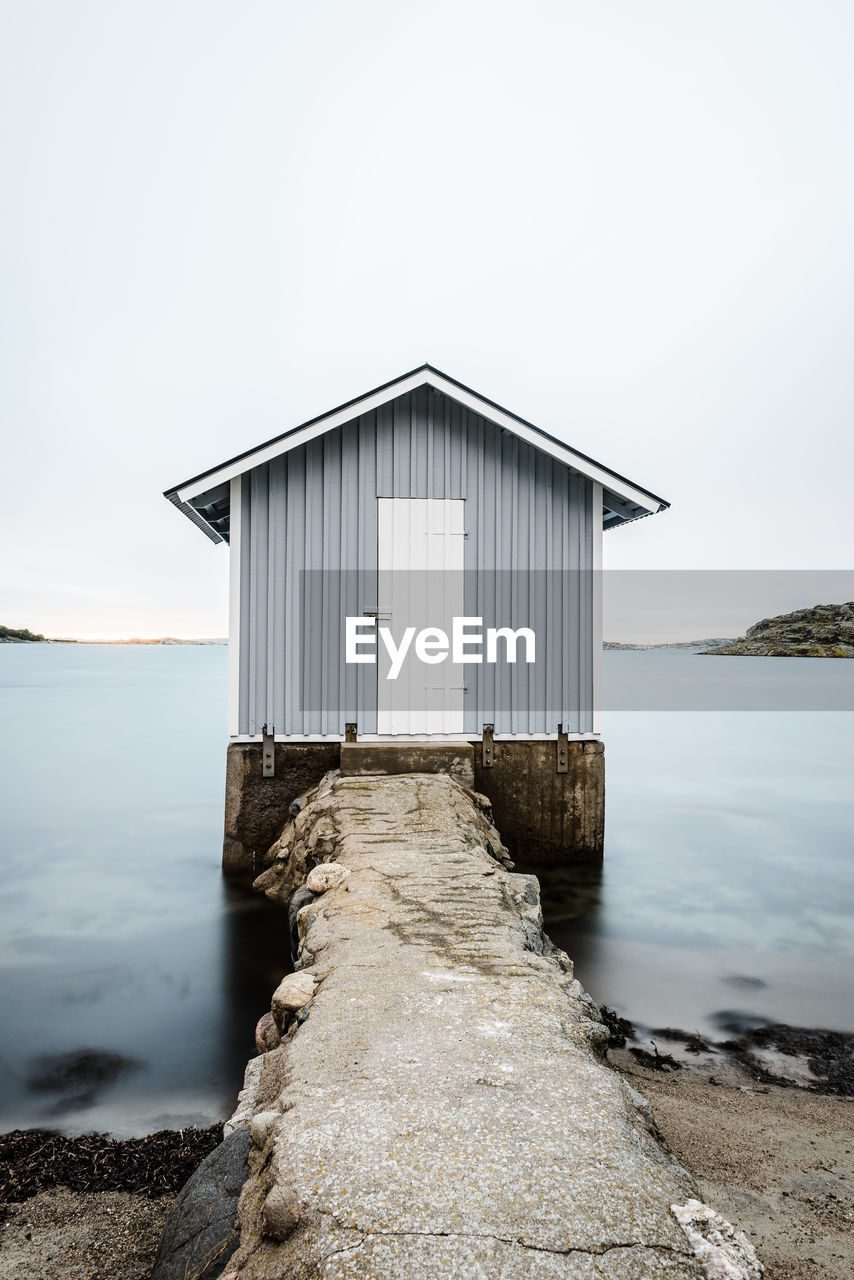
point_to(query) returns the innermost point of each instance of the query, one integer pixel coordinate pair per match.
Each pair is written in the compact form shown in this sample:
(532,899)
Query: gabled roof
(205,498)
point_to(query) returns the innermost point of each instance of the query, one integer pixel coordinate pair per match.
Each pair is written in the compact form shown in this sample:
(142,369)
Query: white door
(421,557)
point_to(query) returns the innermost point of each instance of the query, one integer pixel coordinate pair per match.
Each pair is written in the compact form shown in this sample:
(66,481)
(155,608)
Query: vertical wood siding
(528,555)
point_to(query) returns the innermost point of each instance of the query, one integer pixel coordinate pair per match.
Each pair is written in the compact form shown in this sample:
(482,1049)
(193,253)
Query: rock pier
(431,1099)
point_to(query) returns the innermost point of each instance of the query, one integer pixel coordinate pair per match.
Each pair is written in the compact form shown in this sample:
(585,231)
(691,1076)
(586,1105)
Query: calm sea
(133,977)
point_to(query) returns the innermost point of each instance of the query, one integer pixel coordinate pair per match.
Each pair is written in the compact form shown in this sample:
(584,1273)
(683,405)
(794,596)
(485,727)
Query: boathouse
(416,567)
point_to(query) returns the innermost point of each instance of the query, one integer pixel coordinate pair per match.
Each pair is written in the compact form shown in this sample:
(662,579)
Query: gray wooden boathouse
(419,494)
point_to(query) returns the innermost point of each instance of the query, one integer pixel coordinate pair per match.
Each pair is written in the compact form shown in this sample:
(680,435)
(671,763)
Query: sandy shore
(90,1208)
(73,1235)
(778,1162)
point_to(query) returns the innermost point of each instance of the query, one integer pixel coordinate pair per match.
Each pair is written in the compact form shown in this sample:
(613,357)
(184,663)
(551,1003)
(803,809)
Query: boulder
(268,881)
(282,1212)
(267,1034)
(201,1233)
(329,875)
(298,900)
(292,993)
(263,1125)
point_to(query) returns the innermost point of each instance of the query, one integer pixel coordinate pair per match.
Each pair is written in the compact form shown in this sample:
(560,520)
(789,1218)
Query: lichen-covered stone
(292,993)
(282,1212)
(263,1125)
(267,1035)
(326,876)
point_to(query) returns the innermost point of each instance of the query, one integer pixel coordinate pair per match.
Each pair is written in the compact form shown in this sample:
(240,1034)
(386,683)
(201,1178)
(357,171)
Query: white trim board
(598,532)
(410,382)
(234,606)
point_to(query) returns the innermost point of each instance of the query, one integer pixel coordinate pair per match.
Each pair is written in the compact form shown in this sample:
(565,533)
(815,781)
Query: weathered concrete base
(438,1106)
(545,817)
(256,808)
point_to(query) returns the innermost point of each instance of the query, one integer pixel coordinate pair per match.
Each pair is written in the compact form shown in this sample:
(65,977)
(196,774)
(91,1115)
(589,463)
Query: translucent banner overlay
(411,665)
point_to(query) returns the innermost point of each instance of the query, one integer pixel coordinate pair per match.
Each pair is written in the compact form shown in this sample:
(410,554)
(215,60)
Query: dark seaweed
(33,1160)
(829,1054)
(693,1042)
(619,1029)
(657,1061)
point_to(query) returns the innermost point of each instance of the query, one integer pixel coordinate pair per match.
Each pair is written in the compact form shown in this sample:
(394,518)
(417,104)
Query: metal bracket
(350,731)
(562,750)
(268,755)
(488,756)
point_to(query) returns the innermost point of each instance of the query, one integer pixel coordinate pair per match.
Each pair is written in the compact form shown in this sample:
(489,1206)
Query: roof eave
(647,502)
(192,514)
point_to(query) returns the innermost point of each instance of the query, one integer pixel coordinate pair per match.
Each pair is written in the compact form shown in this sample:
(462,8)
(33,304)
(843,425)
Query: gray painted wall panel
(315,508)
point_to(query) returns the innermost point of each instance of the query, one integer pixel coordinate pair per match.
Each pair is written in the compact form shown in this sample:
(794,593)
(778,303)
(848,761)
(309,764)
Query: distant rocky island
(160,640)
(709,643)
(824,631)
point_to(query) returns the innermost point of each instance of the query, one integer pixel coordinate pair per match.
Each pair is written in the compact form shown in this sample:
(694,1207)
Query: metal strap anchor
(562,750)
(268,755)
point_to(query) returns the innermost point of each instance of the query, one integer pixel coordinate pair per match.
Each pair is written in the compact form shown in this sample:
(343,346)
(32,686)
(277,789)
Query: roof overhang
(204,498)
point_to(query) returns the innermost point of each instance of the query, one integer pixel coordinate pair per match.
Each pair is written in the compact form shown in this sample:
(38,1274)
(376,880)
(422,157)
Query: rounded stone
(281,1213)
(263,1125)
(326,876)
(267,1034)
(292,993)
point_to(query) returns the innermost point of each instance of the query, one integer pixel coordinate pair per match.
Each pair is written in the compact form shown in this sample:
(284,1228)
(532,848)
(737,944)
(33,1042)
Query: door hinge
(488,755)
(268,755)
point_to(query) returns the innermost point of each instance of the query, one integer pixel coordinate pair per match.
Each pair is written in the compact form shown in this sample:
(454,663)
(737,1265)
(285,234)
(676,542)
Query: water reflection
(727,870)
(572,904)
(256,956)
(77,1079)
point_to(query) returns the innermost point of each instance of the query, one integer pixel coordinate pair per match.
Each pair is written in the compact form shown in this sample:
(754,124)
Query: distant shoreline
(165,640)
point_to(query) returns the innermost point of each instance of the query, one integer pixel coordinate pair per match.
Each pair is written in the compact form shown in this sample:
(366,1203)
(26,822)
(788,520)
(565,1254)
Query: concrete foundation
(545,817)
(256,808)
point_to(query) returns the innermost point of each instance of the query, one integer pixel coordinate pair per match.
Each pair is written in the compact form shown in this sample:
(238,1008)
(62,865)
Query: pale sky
(628,222)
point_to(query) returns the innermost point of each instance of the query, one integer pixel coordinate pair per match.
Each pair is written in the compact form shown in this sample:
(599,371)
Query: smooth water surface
(117,934)
(727,882)
(728,878)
